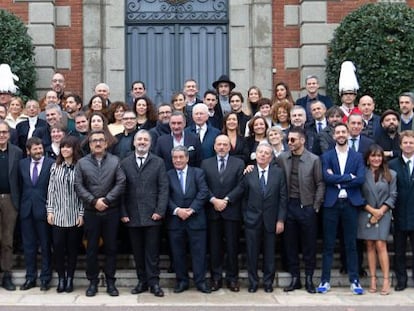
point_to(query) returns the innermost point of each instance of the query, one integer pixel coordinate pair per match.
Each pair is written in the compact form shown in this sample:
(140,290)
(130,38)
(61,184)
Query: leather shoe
(44,285)
(202,287)
(294,284)
(216,285)
(140,288)
(111,289)
(28,285)
(180,287)
(69,285)
(7,282)
(310,287)
(92,289)
(252,288)
(268,288)
(400,287)
(157,291)
(61,285)
(233,286)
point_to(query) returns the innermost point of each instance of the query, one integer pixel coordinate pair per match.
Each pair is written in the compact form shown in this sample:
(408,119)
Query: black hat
(226,79)
(388,112)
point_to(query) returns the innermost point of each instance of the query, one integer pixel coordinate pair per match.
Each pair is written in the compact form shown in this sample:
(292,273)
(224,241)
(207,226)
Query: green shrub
(16,49)
(379,40)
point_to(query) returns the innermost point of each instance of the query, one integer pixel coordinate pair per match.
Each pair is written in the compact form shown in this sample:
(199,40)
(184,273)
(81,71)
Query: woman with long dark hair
(65,212)
(380,192)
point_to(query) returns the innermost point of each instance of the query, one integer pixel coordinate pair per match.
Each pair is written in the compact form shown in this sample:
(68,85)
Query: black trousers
(300,234)
(224,238)
(66,242)
(145,243)
(255,237)
(400,245)
(105,226)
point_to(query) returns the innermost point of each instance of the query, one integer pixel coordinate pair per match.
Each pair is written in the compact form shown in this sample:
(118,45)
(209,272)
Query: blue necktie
(263,182)
(181,177)
(222,166)
(319,126)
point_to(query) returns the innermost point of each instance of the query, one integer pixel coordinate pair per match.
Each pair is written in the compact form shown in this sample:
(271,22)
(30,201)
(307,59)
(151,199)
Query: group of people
(209,171)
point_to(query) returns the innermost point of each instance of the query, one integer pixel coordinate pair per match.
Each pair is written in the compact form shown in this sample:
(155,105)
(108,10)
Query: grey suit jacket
(377,194)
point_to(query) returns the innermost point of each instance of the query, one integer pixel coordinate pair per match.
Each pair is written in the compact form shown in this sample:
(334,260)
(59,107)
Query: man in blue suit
(34,174)
(186,220)
(344,173)
(178,137)
(206,133)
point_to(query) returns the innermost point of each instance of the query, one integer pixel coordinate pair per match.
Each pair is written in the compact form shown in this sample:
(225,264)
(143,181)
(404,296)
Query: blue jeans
(348,215)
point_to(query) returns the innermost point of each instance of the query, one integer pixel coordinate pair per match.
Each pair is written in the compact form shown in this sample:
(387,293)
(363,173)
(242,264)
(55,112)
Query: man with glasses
(9,202)
(125,140)
(99,182)
(163,124)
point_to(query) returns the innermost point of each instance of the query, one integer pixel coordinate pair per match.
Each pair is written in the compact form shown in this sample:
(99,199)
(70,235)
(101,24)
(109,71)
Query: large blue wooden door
(171,41)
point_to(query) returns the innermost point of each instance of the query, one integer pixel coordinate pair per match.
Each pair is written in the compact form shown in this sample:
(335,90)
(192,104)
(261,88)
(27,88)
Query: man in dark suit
(26,128)
(178,138)
(344,173)
(144,205)
(34,174)
(403,212)
(186,220)
(360,143)
(10,156)
(264,214)
(206,133)
(125,140)
(312,89)
(224,174)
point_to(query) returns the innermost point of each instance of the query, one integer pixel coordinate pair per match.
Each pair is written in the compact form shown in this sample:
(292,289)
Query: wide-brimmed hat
(226,79)
(388,112)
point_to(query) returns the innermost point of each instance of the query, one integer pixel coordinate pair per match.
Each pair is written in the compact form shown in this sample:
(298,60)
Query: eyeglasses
(129,118)
(100,141)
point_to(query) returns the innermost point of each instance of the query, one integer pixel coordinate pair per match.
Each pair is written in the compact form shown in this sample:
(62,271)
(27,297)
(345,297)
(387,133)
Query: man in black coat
(403,212)
(144,205)
(264,214)
(224,174)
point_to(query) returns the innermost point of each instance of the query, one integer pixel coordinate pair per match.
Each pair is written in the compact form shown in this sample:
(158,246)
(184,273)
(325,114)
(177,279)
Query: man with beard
(387,137)
(163,123)
(144,205)
(344,173)
(406,102)
(73,104)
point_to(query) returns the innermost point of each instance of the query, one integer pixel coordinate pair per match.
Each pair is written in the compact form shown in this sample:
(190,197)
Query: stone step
(127,278)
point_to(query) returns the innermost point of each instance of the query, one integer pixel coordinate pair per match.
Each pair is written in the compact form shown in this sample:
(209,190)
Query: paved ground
(339,298)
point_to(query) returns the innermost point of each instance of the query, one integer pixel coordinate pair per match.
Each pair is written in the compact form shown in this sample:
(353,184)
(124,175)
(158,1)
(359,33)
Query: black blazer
(23,129)
(226,184)
(15,154)
(33,197)
(191,141)
(146,190)
(268,208)
(195,197)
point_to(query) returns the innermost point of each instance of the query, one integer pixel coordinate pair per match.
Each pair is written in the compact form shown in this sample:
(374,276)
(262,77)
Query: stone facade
(269,41)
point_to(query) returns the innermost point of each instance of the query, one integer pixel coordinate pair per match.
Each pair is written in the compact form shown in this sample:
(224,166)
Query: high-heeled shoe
(373,287)
(386,287)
